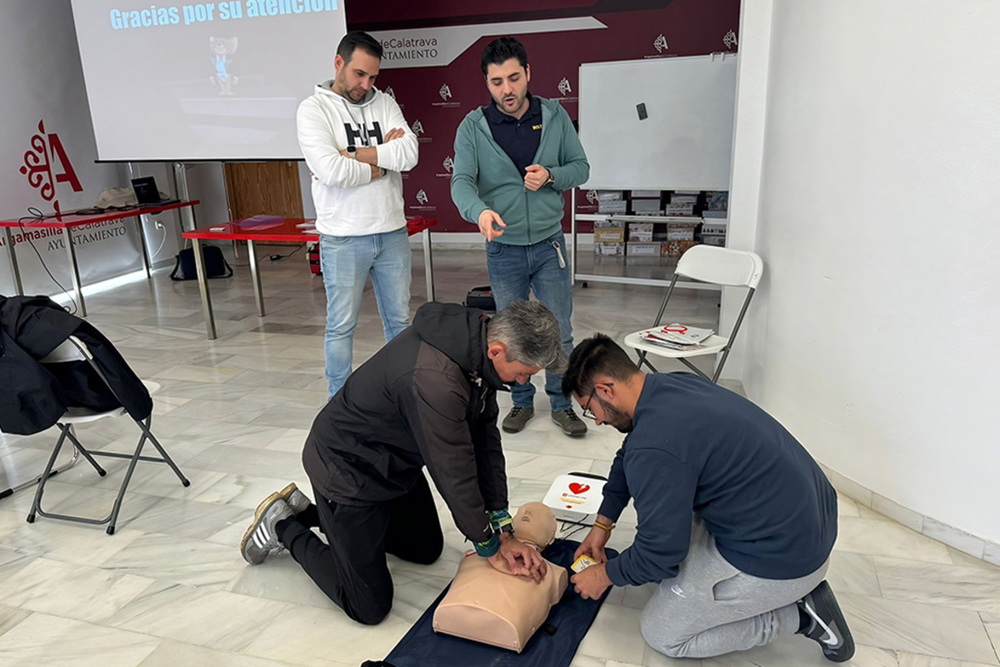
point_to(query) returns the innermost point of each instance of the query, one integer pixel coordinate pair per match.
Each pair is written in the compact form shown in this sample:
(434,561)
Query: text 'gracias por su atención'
(214,11)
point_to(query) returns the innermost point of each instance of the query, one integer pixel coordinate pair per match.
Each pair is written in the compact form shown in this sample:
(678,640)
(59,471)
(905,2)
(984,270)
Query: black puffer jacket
(426,398)
(33,396)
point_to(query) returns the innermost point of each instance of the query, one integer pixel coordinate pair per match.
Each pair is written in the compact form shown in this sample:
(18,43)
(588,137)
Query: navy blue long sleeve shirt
(696,447)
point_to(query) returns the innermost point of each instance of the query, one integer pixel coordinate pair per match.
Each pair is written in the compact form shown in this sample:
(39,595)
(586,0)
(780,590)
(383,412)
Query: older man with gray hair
(428,398)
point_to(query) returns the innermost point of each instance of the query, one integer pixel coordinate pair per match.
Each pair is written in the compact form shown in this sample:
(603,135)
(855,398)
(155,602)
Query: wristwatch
(551,179)
(352,152)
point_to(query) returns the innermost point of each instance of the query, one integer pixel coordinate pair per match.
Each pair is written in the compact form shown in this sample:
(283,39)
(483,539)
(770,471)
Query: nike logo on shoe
(829,636)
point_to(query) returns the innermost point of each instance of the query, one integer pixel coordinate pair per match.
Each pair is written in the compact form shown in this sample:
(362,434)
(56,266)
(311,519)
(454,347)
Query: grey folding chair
(14,488)
(709,264)
(73,350)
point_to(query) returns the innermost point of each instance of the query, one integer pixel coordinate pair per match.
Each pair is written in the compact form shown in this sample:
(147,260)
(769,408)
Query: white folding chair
(708,264)
(71,350)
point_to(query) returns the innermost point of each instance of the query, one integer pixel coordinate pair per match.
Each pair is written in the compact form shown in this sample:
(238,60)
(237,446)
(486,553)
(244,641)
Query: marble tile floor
(170,587)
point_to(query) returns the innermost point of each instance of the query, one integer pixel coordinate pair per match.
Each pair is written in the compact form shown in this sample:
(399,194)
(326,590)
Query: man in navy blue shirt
(736,519)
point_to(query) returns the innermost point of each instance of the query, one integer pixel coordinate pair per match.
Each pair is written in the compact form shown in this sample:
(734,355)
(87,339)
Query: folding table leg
(206,298)
(146,260)
(13,262)
(255,274)
(71,252)
(428,264)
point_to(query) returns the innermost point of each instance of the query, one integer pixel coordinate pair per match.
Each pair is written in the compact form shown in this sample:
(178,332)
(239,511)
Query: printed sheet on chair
(554,645)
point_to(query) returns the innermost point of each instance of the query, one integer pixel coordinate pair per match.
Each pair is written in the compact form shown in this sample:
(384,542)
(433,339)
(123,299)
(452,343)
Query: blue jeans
(346,262)
(516,270)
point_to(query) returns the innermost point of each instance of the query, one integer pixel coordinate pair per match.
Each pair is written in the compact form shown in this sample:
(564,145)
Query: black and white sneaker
(826,625)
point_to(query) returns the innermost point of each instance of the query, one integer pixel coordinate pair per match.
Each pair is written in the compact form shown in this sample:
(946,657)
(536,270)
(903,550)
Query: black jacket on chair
(33,396)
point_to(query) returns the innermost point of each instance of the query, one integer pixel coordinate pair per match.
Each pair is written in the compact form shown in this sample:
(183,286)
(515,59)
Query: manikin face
(509,371)
(508,85)
(603,412)
(355,78)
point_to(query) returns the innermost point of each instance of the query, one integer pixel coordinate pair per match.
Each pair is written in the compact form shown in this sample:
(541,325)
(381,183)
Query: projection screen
(203,81)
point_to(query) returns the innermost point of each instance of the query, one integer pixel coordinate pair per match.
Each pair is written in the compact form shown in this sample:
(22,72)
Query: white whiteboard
(686,141)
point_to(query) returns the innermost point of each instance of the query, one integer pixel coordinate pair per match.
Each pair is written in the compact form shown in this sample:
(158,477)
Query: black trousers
(350,567)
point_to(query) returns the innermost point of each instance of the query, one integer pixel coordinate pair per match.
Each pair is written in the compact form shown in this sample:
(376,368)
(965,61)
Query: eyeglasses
(587,412)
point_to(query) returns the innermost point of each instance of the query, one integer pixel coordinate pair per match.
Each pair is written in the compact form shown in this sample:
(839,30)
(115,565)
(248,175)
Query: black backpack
(216,265)
(481,298)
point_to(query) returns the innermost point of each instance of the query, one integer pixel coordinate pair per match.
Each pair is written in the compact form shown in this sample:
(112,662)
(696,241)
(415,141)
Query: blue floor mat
(554,645)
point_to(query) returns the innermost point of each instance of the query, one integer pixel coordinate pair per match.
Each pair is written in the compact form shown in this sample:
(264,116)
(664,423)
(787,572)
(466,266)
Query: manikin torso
(492,607)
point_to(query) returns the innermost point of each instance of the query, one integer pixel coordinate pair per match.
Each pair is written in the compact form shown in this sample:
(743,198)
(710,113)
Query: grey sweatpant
(711,608)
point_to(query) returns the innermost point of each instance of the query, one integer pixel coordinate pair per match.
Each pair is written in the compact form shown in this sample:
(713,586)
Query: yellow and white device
(575,497)
(582,563)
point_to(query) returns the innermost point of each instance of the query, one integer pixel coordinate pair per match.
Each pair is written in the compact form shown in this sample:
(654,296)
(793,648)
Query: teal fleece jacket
(484,176)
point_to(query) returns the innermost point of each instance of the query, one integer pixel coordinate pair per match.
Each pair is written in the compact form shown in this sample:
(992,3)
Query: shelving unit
(665,263)
(654,125)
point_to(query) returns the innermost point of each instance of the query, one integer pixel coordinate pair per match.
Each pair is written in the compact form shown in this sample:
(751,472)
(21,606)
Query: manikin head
(535,524)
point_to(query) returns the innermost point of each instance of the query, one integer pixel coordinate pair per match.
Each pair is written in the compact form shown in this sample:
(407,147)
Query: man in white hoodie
(356,142)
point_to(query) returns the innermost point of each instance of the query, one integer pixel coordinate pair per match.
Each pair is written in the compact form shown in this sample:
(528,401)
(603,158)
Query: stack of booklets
(682,203)
(676,336)
(611,202)
(716,204)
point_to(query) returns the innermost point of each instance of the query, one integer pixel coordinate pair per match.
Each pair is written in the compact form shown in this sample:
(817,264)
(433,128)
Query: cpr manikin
(489,606)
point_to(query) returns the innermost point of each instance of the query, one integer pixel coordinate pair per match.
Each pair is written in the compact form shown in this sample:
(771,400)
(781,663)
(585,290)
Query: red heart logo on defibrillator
(578,488)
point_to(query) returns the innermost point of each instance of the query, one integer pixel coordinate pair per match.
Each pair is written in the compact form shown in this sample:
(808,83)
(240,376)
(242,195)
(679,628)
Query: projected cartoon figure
(223,49)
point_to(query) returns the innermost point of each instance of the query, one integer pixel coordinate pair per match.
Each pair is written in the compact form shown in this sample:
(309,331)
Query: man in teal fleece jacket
(514,158)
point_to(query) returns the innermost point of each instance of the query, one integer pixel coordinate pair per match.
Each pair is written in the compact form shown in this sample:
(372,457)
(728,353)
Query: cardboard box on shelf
(714,239)
(713,227)
(679,210)
(609,234)
(675,248)
(683,200)
(614,206)
(640,231)
(610,195)
(636,249)
(716,200)
(646,207)
(609,248)
(645,194)
(680,232)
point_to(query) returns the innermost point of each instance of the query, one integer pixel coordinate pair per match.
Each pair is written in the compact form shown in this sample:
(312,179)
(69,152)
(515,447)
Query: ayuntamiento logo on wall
(46,164)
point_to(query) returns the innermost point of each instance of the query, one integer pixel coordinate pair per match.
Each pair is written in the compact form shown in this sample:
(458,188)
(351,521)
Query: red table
(275,228)
(68,222)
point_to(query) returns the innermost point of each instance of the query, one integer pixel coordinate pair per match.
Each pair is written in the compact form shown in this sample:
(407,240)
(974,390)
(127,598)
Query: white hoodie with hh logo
(348,202)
